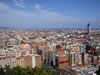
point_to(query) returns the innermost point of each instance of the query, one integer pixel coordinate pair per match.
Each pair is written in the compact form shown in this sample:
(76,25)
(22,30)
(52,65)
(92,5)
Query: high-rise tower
(88,28)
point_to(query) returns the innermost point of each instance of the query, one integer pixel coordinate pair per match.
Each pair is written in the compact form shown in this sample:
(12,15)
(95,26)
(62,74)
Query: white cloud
(41,18)
(19,3)
(4,6)
(37,6)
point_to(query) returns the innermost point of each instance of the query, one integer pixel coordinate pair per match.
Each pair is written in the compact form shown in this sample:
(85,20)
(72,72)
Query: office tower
(88,29)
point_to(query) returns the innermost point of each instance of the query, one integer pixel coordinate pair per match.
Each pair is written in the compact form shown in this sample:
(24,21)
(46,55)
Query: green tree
(8,70)
(44,73)
(28,71)
(18,70)
(2,71)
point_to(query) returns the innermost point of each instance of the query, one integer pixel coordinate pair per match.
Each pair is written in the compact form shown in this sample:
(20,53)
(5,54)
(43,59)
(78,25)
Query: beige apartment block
(63,62)
(32,61)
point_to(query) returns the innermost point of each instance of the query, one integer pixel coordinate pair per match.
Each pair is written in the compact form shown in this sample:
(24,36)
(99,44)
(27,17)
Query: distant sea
(49,28)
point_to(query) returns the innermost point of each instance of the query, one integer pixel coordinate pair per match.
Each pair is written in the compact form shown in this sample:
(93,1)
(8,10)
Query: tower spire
(88,22)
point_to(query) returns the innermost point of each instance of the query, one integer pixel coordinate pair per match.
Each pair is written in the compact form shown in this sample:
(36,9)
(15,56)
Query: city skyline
(49,13)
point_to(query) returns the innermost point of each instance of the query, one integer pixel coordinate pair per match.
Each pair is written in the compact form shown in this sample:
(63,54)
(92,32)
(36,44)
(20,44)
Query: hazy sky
(49,13)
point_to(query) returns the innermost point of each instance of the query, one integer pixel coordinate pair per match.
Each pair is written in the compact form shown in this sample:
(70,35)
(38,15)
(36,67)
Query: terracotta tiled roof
(11,57)
(19,58)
